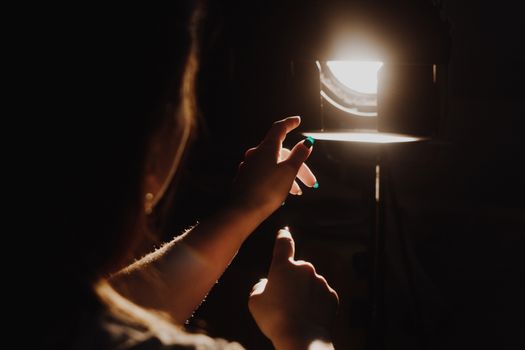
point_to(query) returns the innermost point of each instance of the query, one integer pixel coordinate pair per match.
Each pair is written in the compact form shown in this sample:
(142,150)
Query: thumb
(300,153)
(284,248)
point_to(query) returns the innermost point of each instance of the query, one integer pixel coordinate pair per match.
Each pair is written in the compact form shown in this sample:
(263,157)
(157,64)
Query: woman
(132,87)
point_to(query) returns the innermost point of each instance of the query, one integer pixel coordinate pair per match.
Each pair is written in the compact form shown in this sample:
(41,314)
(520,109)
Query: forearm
(178,276)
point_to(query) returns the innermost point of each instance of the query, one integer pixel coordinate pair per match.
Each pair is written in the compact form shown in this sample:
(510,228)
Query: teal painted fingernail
(309,141)
(316,185)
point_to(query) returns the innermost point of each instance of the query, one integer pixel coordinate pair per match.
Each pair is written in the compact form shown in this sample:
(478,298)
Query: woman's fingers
(299,154)
(296,190)
(250,152)
(277,133)
(284,248)
(305,174)
(267,175)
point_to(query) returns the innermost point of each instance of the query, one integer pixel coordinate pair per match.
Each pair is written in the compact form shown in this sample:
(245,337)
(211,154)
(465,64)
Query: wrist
(251,210)
(245,219)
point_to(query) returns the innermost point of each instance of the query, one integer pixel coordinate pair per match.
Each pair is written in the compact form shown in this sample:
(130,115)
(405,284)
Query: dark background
(455,217)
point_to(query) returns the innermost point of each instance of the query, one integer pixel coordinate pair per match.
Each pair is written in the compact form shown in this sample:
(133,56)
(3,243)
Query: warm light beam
(360,76)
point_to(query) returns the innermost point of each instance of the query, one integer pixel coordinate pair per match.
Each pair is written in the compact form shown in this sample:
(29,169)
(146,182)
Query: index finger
(284,249)
(277,133)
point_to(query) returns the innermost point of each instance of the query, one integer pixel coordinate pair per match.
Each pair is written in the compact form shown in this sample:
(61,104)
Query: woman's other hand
(295,307)
(269,171)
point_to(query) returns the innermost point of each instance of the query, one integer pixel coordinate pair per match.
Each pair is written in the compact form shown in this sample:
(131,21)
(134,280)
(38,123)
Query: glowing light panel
(362,136)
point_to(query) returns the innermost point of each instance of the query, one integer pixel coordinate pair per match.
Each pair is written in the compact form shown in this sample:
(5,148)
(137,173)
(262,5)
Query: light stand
(376,336)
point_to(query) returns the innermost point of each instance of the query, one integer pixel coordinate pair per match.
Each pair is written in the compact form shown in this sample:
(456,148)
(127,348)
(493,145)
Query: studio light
(363,73)
(390,93)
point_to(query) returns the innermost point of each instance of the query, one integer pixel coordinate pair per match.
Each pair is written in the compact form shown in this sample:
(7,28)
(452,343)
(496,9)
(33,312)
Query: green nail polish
(309,141)
(316,185)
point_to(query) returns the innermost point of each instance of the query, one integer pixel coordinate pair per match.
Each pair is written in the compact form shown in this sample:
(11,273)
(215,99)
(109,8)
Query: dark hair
(120,71)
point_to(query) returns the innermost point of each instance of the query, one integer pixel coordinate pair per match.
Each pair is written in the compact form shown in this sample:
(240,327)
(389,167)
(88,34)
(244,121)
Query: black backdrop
(456,231)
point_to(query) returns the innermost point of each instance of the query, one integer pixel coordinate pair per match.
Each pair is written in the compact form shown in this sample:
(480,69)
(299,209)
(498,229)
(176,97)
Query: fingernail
(284,232)
(316,185)
(309,141)
(300,193)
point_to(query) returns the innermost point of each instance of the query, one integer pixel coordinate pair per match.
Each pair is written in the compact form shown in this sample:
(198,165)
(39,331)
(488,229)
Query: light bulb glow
(360,76)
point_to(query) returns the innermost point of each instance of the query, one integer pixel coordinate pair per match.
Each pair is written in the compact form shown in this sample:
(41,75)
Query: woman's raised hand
(269,171)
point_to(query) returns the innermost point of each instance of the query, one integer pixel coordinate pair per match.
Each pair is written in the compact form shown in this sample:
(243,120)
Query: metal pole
(376,339)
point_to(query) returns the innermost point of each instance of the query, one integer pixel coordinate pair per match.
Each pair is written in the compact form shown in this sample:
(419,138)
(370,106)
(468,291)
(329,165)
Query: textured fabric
(108,332)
